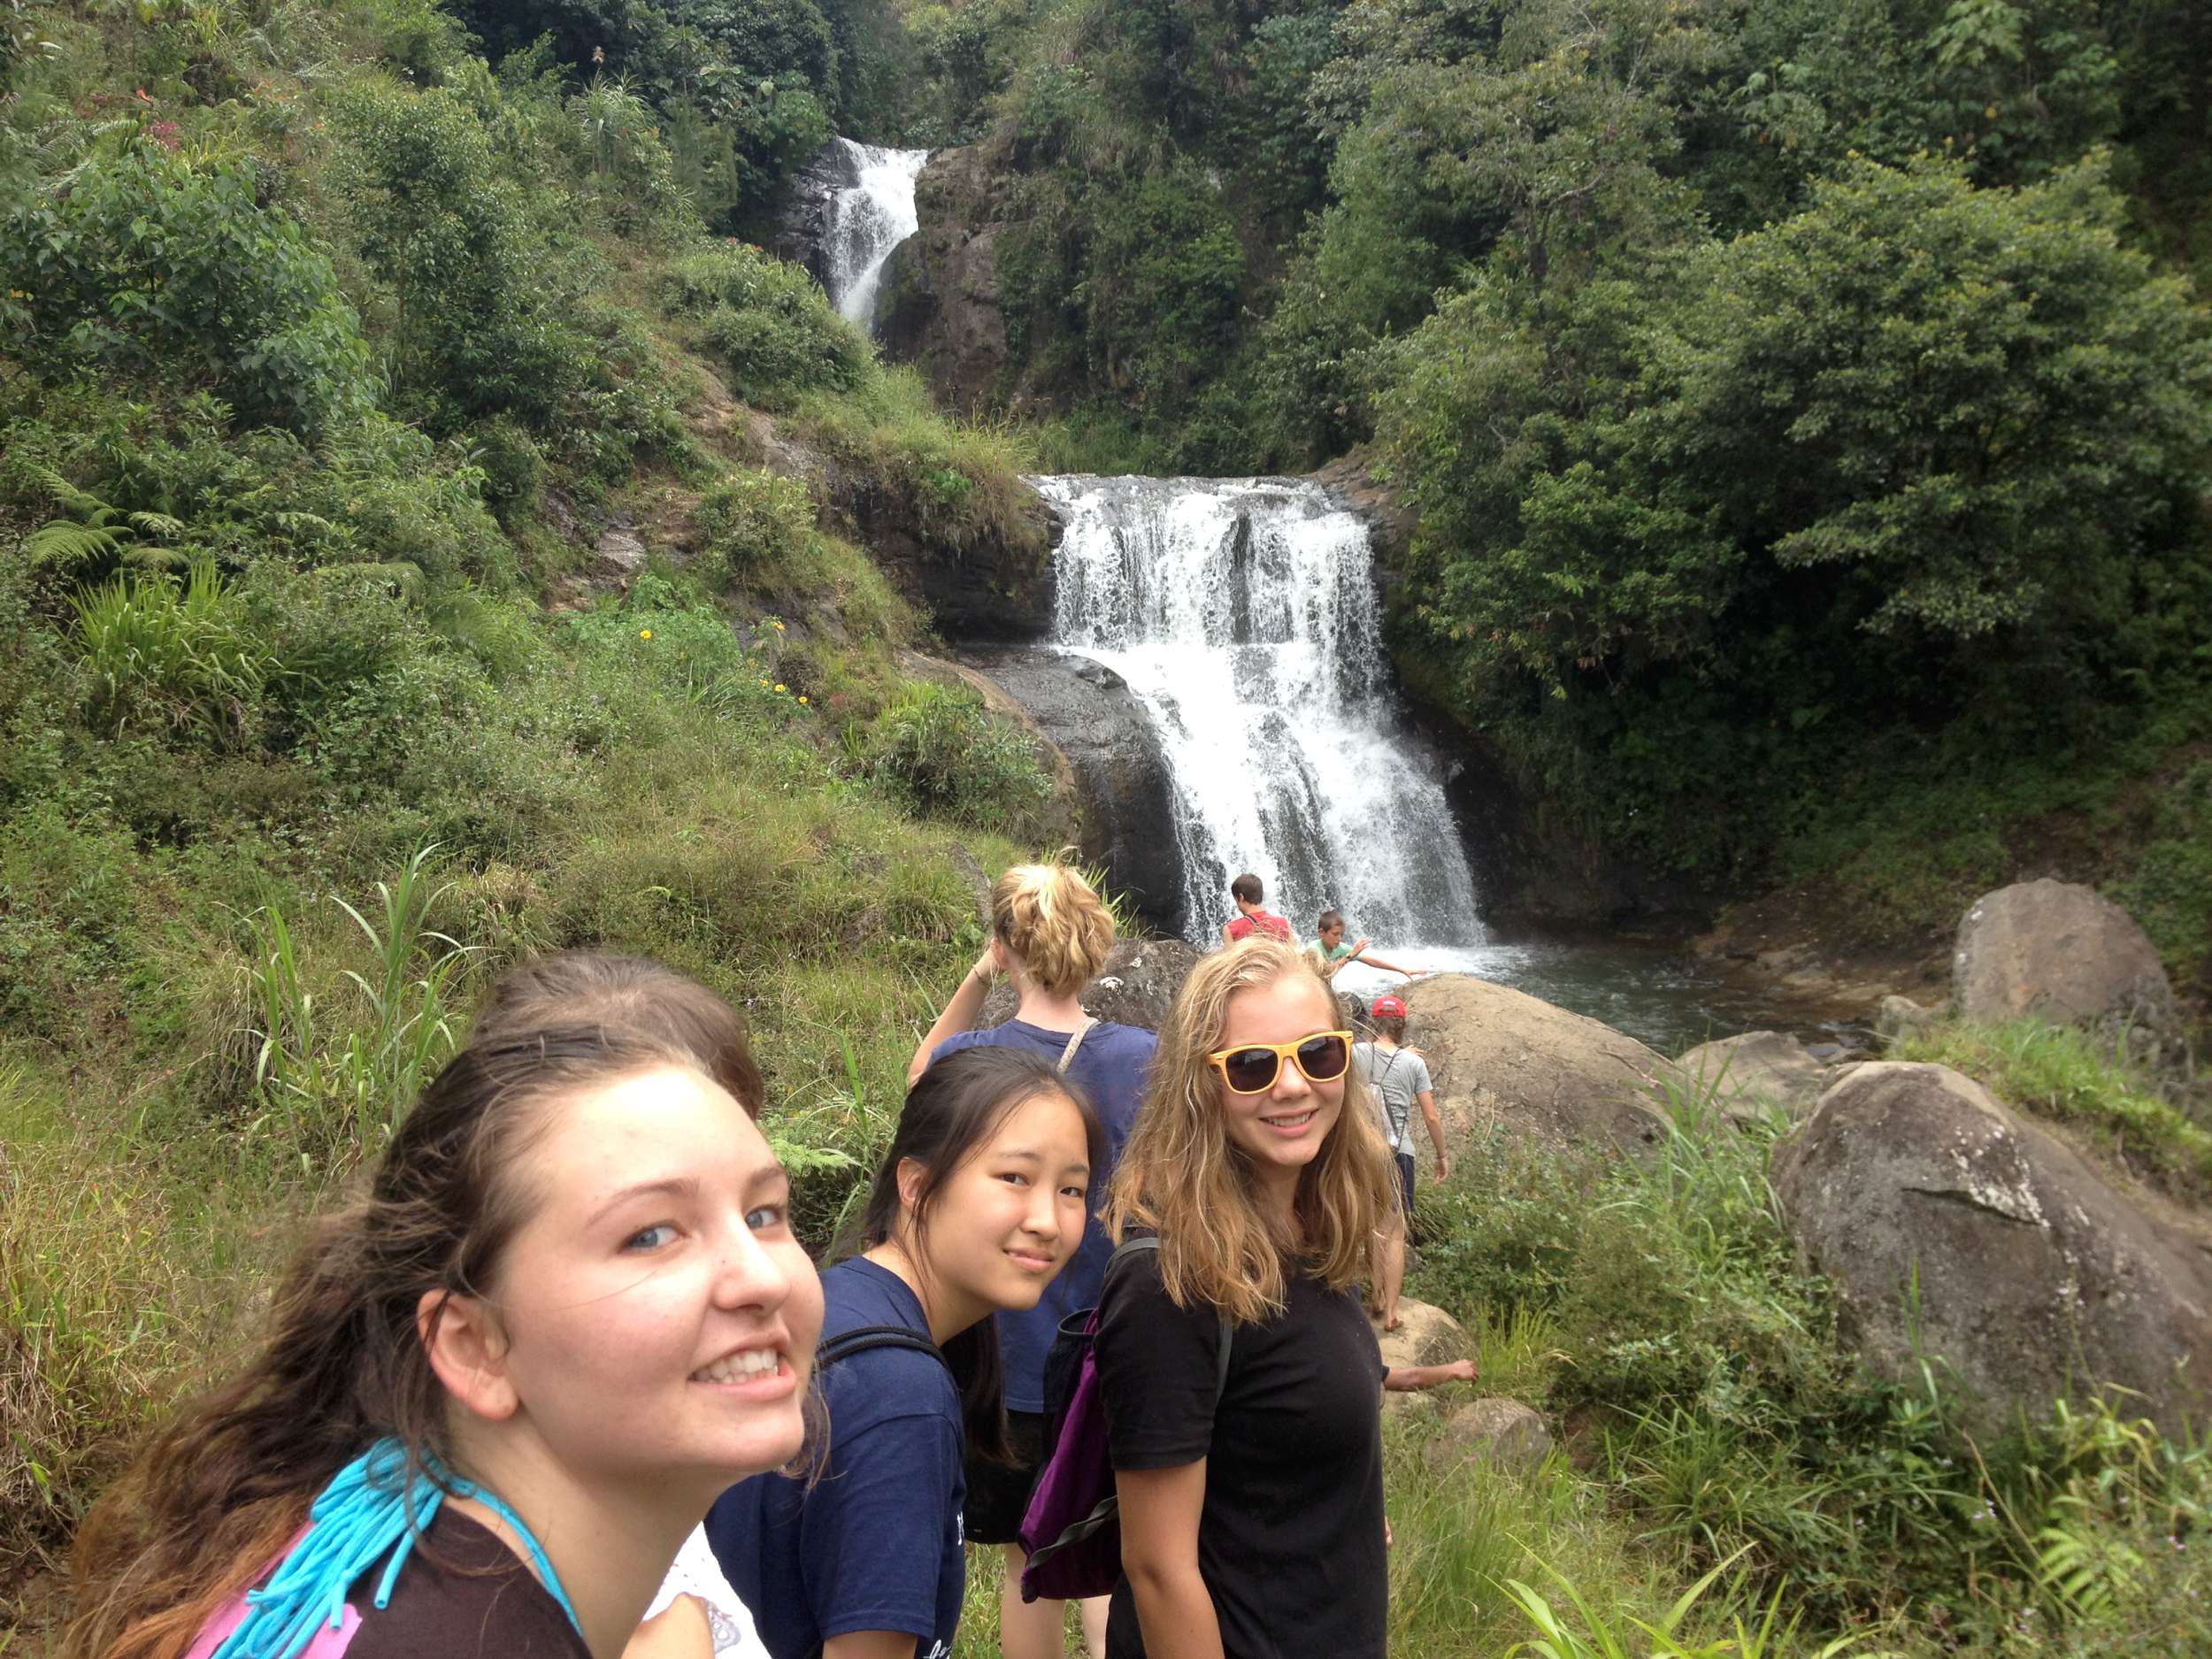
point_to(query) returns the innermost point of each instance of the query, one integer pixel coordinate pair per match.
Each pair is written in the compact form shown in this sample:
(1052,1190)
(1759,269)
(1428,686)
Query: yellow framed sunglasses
(1252,1068)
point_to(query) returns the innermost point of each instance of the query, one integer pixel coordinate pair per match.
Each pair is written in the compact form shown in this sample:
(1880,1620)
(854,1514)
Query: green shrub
(753,520)
(942,752)
(177,657)
(768,321)
(2169,889)
(158,265)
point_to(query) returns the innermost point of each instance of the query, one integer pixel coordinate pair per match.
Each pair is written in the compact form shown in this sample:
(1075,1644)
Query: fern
(66,544)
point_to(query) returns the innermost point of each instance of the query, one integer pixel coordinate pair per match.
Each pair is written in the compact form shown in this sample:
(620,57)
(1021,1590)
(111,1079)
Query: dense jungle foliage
(1807,408)
(1806,405)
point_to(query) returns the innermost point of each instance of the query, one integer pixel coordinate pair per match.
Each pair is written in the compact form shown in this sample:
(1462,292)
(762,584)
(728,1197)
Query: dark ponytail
(223,1488)
(951,1112)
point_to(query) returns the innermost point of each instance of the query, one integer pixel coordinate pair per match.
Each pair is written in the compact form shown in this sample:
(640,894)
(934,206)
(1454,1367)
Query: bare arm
(870,1644)
(1427,1097)
(679,1631)
(962,1009)
(1159,1552)
(1374,961)
(1405,1379)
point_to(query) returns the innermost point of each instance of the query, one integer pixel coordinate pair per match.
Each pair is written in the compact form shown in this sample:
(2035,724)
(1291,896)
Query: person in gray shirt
(1400,1079)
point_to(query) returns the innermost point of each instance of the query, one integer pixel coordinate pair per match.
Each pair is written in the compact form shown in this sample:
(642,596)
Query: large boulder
(1121,778)
(1952,1228)
(2059,952)
(1496,1429)
(1753,1074)
(1501,1058)
(1426,1335)
(1137,986)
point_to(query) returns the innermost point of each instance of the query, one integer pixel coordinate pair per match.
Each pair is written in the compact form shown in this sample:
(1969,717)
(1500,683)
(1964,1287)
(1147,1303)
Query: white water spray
(1242,614)
(867,219)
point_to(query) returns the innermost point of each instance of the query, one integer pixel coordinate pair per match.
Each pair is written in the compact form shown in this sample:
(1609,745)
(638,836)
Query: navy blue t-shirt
(1109,1068)
(875,1544)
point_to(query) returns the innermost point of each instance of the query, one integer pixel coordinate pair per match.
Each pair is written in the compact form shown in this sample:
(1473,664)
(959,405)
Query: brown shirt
(462,1594)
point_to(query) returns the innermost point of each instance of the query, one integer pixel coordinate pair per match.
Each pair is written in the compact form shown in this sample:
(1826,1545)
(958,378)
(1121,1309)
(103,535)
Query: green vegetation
(1655,1309)
(1807,406)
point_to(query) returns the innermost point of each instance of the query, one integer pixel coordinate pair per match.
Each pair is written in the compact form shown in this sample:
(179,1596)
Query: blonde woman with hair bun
(1049,935)
(1251,1490)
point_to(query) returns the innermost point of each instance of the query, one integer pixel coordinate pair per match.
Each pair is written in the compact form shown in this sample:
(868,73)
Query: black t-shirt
(1291,1537)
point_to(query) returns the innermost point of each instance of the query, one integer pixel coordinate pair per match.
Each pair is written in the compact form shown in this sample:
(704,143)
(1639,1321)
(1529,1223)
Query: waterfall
(867,219)
(1242,614)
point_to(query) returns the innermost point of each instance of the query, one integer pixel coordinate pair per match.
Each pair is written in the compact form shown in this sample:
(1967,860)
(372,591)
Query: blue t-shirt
(875,1544)
(1109,1068)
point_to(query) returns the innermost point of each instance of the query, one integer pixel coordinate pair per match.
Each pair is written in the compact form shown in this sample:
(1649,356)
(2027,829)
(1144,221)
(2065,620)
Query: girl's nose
(748,1274)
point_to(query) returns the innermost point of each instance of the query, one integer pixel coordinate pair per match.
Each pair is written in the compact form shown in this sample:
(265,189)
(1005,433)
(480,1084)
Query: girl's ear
(913,1177)
(467,1349)
(1001,957)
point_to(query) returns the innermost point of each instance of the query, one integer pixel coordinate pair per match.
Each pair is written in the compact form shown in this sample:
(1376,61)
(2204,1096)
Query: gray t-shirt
(1398,1076)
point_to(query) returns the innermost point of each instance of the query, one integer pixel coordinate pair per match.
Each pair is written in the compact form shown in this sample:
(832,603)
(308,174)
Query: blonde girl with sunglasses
(1251,1494)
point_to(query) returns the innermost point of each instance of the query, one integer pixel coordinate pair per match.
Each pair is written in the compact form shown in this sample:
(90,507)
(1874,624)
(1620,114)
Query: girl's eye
(767,1219)
(1079,1194)
(653,1238)
(1015,1177)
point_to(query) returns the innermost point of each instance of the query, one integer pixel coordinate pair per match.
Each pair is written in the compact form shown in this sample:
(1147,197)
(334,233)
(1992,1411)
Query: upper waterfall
(1242,614)
(867,219)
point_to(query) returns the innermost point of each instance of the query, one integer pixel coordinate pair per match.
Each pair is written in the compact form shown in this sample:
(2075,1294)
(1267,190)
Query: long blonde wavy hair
(1181,1174)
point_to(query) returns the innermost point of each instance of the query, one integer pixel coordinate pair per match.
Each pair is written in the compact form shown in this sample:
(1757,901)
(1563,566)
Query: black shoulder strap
(1151,1242)
(860,1339)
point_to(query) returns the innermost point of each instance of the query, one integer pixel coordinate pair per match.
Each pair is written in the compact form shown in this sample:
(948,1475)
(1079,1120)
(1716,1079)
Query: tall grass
(334,1089)
(171,657)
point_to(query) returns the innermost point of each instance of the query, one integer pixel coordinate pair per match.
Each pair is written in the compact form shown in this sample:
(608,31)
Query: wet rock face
(2059,952)
(1121,778)
(2033,1274)
(939,306)
(802,228)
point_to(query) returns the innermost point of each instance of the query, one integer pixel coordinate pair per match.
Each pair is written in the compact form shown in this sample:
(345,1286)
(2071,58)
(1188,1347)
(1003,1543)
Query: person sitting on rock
(1251,919)
(1329,954)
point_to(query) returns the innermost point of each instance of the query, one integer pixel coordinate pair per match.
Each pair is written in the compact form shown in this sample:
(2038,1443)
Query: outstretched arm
(1405,1379)
(962,1010)
(1374,961)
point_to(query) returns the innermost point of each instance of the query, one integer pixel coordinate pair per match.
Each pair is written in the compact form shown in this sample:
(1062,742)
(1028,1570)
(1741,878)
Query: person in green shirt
(1329,952)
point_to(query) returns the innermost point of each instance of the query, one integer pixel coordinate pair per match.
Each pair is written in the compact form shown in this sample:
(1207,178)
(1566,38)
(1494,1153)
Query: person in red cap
(1400,1079)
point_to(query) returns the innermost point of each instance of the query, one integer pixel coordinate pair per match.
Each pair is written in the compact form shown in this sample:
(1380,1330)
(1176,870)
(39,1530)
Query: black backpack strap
(861,1339)
(1151,1242)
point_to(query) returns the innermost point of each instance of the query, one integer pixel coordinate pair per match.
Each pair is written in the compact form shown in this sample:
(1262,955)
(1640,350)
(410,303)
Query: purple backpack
(1071,1531)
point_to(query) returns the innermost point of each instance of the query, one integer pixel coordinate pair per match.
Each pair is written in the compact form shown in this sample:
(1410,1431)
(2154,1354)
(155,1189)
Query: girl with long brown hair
(1251,1503)
(497,1391)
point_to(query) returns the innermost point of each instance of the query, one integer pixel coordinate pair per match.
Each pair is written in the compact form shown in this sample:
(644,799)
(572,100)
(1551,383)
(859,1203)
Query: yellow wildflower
(802,697)
(780,685)
(777,627)
(645,633)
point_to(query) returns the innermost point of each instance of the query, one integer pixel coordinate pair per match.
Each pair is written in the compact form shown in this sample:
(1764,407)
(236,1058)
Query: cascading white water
(867,219)
(1241,612)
